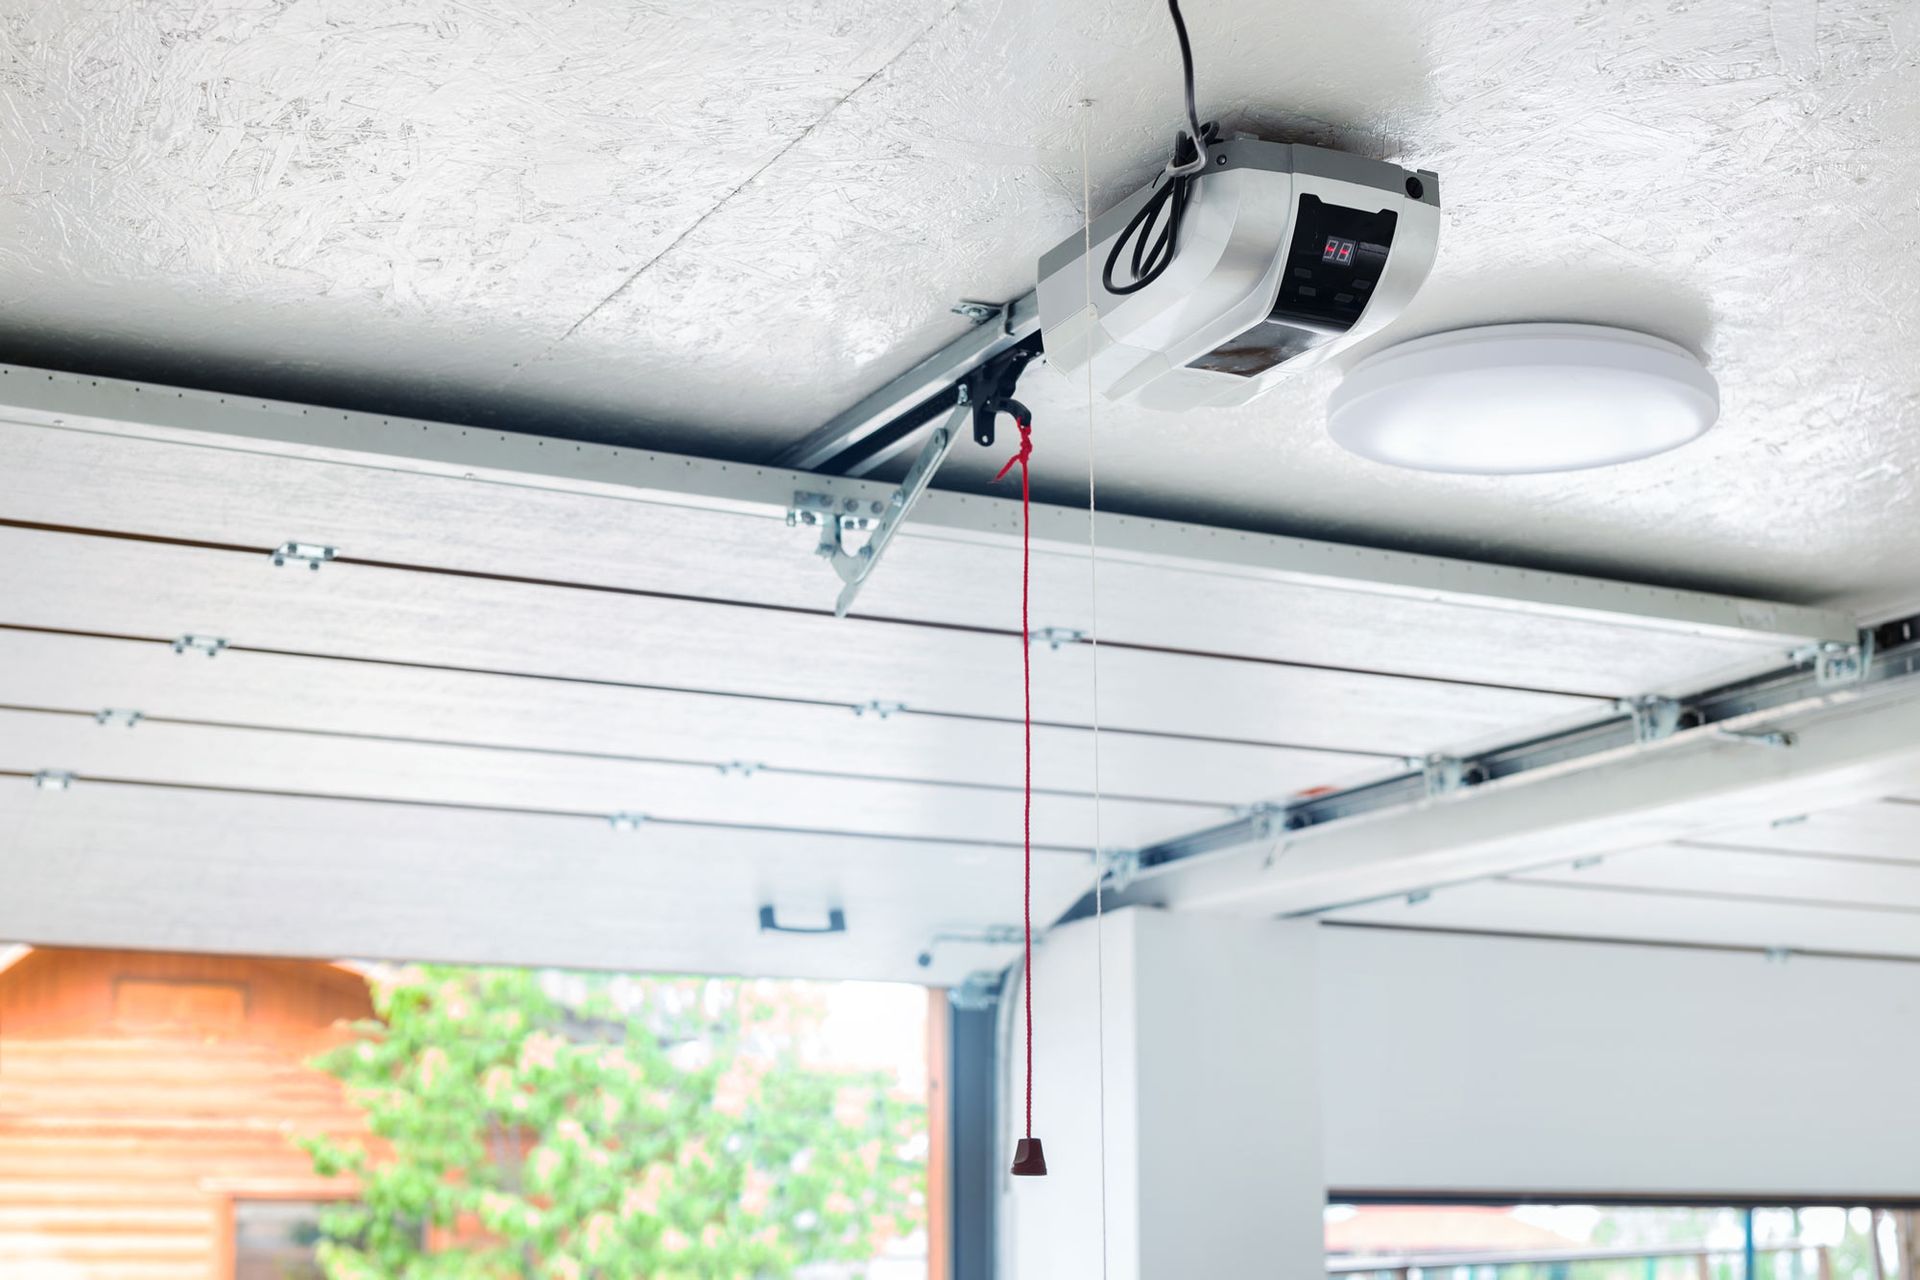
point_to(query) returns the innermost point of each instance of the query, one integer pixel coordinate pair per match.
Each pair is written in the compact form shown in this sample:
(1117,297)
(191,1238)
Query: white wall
(1434,1063)
(1212,1135)
(1460,1063)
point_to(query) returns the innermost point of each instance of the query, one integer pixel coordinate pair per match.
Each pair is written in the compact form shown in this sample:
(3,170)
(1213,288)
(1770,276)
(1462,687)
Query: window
(1619,1242)
(275,1239)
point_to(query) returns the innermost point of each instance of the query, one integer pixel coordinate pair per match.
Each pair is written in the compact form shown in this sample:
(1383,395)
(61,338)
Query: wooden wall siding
(134,1102)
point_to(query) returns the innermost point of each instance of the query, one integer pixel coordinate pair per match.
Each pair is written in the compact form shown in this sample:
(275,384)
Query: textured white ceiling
(710,227)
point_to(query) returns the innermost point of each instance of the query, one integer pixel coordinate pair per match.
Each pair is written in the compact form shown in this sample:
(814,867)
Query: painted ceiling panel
(708,228)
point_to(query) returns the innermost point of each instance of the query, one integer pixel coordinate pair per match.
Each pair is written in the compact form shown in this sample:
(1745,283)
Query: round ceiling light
(1510,399)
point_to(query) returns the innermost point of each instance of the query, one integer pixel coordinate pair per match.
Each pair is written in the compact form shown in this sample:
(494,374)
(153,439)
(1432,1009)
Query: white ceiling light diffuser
(1512,399)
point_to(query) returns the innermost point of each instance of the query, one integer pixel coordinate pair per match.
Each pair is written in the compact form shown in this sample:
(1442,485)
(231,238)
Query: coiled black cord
(1152,255)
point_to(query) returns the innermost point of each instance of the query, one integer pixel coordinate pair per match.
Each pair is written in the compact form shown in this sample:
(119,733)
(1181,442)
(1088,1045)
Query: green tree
(591,1128)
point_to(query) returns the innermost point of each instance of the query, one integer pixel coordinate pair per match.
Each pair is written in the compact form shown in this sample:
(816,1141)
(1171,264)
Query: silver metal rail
(1882,656)
(1011,325)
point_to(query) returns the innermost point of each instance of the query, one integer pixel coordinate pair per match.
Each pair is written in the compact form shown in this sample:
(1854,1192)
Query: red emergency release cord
(1028,1159)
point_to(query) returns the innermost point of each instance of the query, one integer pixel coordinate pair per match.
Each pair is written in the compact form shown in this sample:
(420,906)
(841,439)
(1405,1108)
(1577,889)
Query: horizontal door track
(1885,658)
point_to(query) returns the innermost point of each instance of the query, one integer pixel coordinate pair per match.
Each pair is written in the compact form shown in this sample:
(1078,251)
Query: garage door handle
(836,923)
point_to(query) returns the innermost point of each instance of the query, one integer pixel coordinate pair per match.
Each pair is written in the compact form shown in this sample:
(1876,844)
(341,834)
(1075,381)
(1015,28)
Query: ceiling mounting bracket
(855,567)
(977,312)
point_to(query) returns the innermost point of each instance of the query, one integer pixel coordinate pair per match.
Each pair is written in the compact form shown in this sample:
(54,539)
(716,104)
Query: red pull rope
(1026,676)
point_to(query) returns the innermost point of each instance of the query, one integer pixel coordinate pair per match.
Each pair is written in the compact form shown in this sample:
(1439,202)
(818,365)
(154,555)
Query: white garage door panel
(1887,829)
(149,486)
(156,590)
(1505,906)
(219,757)
(1789,877)
(143,867)
(81,673)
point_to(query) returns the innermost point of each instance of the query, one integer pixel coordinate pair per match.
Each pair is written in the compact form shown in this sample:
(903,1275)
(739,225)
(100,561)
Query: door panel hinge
(311,554)
(1837,665)
(209,645)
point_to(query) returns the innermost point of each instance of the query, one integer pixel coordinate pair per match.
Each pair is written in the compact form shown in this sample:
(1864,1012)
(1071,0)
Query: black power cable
(1152,254)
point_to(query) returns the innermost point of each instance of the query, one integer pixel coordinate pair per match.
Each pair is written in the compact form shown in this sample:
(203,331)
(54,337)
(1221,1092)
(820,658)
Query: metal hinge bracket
(54,779)
(1778,738)
(1265,819)
(977,993)
(1653,717)
(1835,664)
(209,645)
(993,935)
(1118,868)
(879,708)
(1054,637)
(626,821)
(855,567)
(119,716)
(311,554)
(1443,774)
(739,768)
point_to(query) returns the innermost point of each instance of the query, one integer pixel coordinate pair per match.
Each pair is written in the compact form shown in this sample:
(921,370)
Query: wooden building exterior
(147,1107)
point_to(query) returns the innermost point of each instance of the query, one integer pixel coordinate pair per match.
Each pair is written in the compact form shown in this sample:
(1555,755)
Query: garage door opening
(234,1117)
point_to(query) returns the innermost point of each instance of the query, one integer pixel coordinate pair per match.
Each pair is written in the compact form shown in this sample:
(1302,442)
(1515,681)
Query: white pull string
(1093,639)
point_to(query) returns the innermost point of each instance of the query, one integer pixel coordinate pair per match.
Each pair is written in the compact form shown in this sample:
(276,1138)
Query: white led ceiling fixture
(1512,399)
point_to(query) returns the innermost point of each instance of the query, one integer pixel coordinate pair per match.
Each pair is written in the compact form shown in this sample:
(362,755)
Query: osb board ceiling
(711,227)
